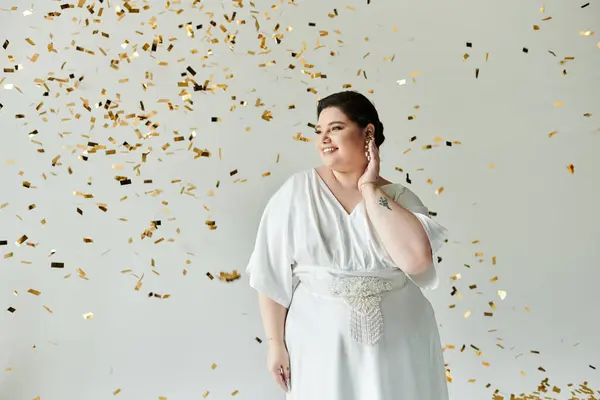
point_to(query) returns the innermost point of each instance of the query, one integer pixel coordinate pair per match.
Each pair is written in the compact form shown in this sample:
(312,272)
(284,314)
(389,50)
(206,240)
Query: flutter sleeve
(435,232)
(270,265)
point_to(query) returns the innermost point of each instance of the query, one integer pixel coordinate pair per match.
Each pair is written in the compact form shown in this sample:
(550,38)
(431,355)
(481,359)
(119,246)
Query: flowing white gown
(358,328)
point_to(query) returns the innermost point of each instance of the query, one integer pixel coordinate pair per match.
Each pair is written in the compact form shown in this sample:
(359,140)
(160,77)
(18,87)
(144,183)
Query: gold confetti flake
(34,292)
(235,392)
(571,168)
(88,315)
(229,277)
(467,314)
(559,104)
(267,115)
(502,294)
(439,190)
(21,240)
(448,376)
(552,133)
(586,33)
(116,392)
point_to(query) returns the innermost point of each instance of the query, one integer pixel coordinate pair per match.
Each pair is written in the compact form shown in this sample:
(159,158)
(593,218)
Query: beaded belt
(363,295)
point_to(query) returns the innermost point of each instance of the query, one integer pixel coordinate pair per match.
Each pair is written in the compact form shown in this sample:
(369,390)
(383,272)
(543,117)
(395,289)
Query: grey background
(528,211)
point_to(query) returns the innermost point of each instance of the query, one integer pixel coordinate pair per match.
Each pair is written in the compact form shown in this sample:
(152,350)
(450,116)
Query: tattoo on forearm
(383,202)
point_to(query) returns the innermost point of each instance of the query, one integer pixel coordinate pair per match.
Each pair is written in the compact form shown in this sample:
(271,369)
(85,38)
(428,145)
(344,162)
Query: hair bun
(379,136)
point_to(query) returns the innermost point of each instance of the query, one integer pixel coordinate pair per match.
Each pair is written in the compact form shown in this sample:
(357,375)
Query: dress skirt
(328,364)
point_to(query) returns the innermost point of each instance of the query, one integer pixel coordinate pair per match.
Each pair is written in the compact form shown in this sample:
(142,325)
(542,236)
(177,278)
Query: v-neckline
(328,190)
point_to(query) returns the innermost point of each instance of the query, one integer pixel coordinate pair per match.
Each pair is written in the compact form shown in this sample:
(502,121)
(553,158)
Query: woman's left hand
(371,174)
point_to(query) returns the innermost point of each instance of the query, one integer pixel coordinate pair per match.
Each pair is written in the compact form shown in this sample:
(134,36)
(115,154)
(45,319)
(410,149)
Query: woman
(339,260)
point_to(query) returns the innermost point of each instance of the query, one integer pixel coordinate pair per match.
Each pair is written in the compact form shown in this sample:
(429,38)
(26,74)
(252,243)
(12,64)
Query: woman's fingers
(281,378)
(288,379)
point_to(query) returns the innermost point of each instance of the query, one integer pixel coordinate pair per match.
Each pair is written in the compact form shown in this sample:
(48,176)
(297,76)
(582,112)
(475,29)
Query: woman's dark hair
(357,108)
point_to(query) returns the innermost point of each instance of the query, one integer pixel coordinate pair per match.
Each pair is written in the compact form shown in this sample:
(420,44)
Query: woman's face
(340,141)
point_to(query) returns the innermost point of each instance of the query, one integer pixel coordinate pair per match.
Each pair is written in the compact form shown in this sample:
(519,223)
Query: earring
(367,153)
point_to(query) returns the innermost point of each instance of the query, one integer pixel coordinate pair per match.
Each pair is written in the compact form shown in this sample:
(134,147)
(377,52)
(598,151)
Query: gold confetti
(439,190)
(502,294)
(267,115)
(229,277)
(88,316)
(116,392)
(586,33)
(21,240)
(467,314)
(552,133)
(559,104)
(34,292)
(571,168)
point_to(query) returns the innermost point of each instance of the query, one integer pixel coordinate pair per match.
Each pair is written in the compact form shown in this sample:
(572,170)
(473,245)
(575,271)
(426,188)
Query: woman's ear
(370,131)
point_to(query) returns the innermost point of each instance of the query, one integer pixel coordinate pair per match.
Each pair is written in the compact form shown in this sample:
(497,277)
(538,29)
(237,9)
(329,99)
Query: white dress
(358,328)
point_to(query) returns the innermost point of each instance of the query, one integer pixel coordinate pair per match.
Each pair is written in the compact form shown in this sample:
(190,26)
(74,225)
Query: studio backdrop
(141,140)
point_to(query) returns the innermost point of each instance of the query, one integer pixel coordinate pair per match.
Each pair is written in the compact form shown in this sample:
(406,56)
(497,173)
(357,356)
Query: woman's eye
(336,128)
(317,132)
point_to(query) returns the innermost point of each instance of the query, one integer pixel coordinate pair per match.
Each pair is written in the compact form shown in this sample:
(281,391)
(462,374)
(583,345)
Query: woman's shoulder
(394,189)
(289,186)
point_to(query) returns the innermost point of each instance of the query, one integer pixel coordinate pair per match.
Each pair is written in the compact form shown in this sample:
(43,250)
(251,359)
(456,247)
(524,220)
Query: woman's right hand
(278,364)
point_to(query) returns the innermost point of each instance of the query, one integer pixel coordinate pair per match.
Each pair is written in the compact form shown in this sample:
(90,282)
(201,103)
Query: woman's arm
(400,231)
(273,318)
